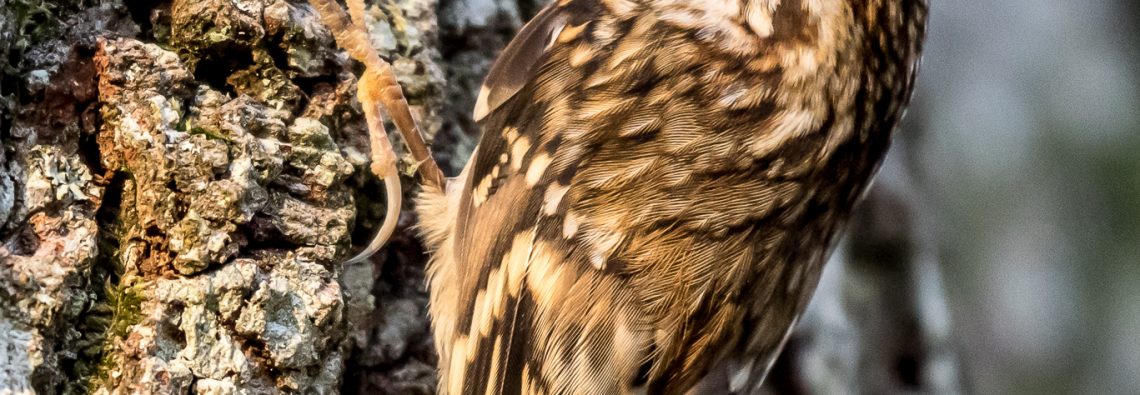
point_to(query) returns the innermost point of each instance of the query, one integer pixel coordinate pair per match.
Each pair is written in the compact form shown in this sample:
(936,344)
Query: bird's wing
(608,213)
(522,285)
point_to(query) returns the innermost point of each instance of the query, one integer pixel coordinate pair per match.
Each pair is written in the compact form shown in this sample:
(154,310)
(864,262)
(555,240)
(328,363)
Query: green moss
(124,303)
(116,302)
(109,320)
(29,22)
(34,21)
(189,127)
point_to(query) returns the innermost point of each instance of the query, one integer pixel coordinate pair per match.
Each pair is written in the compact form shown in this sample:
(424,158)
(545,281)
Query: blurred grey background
(1025,138)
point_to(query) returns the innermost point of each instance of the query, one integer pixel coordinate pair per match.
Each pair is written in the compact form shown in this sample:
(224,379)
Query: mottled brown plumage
(656,189)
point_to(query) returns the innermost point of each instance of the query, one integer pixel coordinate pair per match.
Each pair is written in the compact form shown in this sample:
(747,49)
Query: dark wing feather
(515,65)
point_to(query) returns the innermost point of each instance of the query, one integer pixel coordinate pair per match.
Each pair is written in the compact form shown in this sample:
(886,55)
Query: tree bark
(181,180)
(184,182)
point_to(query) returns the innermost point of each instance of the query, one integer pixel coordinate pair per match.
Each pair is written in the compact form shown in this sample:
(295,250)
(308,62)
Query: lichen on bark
(49,195)
(187,175)
(215,184)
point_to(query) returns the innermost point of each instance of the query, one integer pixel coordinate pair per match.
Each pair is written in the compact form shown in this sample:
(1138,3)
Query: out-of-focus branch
(879,322)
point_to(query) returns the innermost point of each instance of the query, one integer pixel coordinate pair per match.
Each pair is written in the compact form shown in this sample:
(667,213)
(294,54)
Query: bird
(656,189)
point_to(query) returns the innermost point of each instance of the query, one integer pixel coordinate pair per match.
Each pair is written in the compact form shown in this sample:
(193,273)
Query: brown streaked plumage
(656,189)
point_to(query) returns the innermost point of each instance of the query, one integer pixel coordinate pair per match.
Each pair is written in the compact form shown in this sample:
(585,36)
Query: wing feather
(515,65)
(540,290)
(570,318)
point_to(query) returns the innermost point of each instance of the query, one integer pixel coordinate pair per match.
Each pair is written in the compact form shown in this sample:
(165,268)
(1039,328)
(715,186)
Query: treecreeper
(656,189)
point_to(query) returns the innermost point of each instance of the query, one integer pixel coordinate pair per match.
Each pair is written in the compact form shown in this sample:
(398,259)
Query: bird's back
(657,186)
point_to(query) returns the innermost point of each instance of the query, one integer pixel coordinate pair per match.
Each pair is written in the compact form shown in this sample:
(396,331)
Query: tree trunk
(181,180)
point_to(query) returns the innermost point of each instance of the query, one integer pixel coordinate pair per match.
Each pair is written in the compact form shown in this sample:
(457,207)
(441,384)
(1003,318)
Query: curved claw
(383,164)
(378,87)
(394,195)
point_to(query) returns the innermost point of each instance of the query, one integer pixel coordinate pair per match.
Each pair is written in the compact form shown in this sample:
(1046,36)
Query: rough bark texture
(180,180)
(180,186)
